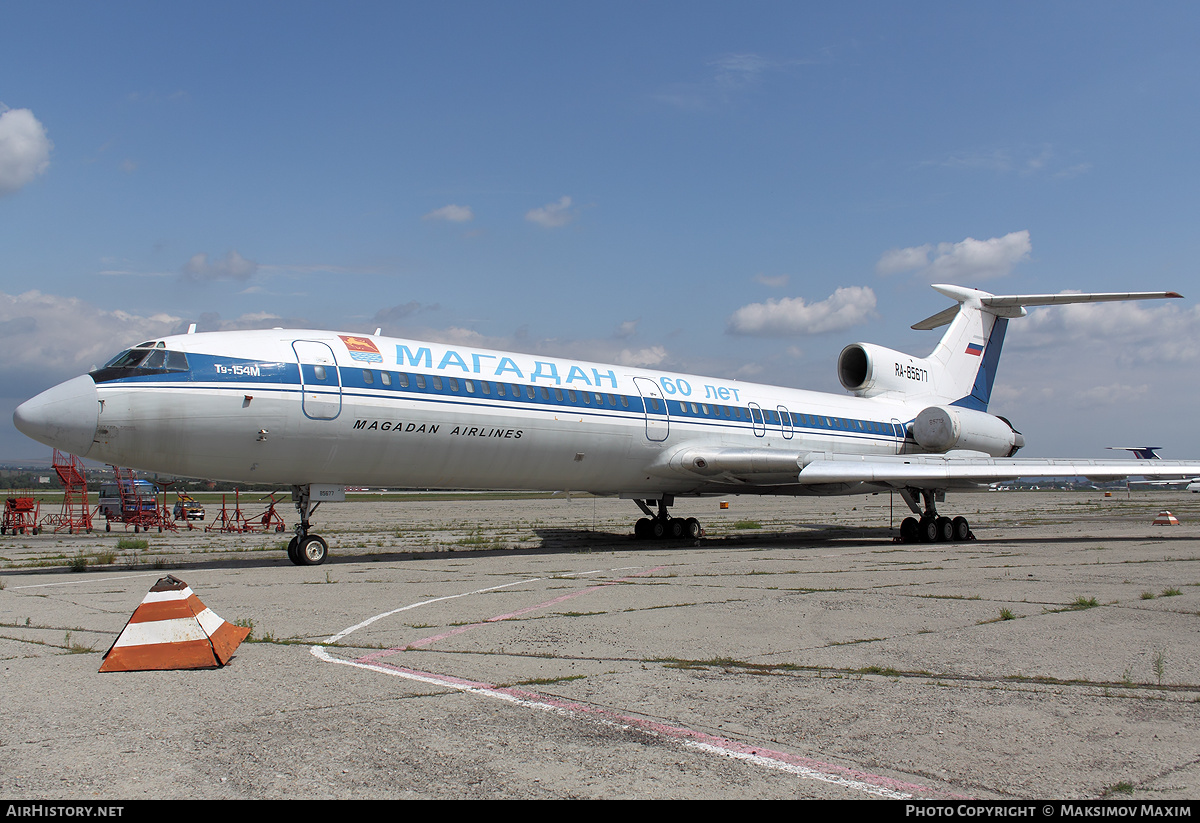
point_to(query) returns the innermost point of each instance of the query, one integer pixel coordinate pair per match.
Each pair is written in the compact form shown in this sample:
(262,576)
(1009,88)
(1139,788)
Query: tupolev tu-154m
(322,410)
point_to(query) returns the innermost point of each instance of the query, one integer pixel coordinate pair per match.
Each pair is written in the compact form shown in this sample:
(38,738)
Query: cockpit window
(141,360)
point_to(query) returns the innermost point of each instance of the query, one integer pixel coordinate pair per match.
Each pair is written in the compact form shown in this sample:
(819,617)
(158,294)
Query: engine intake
(869,370)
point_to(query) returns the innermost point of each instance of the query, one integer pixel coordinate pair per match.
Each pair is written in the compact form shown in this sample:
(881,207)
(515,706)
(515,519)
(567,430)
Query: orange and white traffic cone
(1166,519)
(172,629)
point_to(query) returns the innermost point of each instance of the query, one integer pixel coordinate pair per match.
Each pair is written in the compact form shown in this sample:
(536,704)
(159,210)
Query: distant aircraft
(1186,482)
(321,410)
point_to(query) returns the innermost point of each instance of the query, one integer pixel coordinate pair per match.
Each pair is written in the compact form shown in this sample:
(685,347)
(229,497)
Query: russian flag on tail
(975,348)
(172,629)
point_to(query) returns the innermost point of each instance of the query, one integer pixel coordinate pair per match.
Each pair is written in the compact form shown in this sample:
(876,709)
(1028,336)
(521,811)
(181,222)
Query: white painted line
(875,785)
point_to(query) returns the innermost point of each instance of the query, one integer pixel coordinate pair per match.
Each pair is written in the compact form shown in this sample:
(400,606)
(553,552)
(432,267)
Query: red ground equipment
(76,514)
(234,520)
(138,505)
(20,515)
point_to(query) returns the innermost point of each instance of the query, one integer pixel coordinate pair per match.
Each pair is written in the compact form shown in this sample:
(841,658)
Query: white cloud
(774,282)
(846,307)
(47,338)
(230,267)
(627,329)
(552,215)
(24,149)
(451,213)
(642,358)
(967,261)
(1131,334)
(728,78)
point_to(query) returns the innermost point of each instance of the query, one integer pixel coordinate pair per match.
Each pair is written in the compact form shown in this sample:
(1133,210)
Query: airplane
(321,410)
(1185,482)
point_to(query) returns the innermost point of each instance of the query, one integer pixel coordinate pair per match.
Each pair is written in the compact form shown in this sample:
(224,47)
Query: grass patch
(548,681)
(1081,603)
(747,524)
(126,544)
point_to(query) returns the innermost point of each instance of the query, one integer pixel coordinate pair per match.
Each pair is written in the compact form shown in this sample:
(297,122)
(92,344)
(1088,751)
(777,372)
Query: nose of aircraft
(64,417)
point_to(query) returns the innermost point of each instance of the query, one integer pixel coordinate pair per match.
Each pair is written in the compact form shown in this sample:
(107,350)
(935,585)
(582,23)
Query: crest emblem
(362,349)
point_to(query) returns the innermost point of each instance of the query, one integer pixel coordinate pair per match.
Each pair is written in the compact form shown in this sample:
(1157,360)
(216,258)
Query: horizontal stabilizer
(1014,305)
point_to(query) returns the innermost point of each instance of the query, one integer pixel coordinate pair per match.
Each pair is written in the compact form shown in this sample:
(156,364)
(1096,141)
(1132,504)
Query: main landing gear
(306,549)
(931,527)
(660,525)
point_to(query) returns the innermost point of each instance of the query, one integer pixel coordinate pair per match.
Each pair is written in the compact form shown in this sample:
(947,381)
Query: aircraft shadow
(583,541)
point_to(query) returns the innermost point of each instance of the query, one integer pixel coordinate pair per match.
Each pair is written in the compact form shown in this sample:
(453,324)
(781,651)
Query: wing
(946,471)
(824,472)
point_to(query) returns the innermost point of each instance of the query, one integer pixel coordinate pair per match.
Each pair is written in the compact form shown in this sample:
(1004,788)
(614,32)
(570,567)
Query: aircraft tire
(291,550)
(675,527)
(658,529)
(962,529)
(641,529)
(692,529)
(927,530)
(909,530)
(312,550)
(945,529)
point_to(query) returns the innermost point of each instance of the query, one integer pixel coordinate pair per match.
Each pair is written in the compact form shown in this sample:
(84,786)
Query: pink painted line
(807,766)
(426,641)
(803,766)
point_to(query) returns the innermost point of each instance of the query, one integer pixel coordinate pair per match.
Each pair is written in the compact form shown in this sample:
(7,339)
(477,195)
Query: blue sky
(643,183)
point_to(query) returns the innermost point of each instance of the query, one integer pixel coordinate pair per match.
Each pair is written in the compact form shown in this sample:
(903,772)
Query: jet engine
(869,370)
(943,428)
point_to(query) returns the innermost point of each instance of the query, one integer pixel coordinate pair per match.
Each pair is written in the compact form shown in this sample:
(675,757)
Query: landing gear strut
(931,527)
(660,525)
(306,549)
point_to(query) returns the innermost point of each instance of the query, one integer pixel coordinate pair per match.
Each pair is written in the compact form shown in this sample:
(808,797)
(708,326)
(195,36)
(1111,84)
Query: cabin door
(657,422)
(319,382)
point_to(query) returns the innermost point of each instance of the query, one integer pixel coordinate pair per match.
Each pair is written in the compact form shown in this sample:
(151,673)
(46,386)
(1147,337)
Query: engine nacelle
(943,428)
(869,370)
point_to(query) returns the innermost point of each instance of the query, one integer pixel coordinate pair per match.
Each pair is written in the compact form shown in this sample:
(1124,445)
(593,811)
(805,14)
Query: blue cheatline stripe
(214,373)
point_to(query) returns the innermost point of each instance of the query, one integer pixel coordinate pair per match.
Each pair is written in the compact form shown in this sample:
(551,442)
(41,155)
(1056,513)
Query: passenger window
(368,376)
(386,377)
(319,372)
(420,381)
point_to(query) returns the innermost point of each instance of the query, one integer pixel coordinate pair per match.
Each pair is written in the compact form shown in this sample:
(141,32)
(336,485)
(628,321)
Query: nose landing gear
(306,549)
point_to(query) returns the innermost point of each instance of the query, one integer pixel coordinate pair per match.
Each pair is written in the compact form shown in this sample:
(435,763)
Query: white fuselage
(309,407)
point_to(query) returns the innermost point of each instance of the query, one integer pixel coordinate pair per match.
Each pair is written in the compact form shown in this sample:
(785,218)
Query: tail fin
(962,367)
(1140,452)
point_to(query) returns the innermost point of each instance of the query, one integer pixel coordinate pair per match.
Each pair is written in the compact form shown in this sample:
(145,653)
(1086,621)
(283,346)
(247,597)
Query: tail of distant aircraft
(962,367)
(1140,452)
